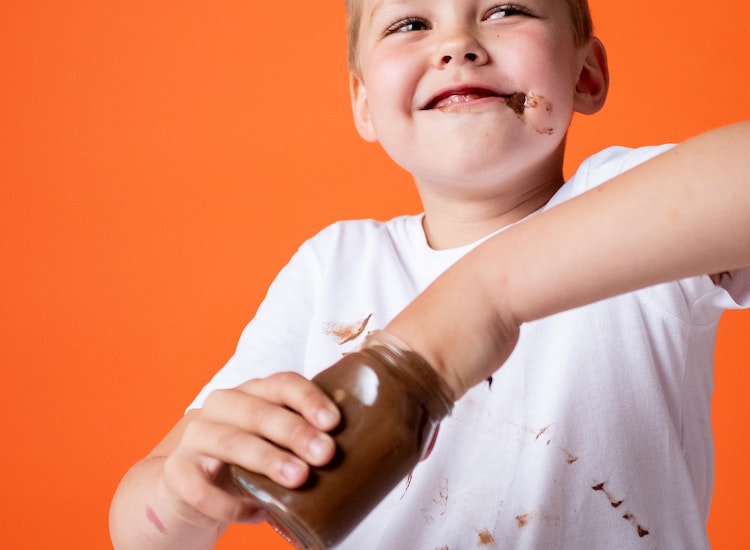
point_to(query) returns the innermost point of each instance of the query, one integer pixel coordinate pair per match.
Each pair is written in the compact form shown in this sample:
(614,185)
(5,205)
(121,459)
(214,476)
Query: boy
(595,432)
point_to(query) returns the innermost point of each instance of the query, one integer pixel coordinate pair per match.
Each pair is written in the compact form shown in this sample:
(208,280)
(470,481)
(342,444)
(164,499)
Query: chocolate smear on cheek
(517,102)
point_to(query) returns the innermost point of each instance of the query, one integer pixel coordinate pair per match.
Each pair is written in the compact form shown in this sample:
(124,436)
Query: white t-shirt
(594,434)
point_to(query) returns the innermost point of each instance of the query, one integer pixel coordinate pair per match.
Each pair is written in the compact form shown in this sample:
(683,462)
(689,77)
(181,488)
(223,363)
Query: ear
(360,108)
(593,80)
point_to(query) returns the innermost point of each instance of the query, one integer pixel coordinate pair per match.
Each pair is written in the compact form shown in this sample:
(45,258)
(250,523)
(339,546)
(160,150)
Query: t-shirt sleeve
(274,339)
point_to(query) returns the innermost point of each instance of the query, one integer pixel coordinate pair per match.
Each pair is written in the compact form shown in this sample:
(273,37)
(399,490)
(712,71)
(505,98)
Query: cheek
(391,72)
(390,94)
(554,85)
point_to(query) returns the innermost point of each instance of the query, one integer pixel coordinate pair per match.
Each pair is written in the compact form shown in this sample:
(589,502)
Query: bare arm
(684,213)
(141,511)
(178,496)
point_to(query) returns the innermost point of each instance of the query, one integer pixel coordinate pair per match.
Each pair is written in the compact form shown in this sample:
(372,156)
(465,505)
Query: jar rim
(412,367)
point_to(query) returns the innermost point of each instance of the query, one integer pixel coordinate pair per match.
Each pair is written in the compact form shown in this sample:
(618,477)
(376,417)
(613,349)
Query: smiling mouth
(515,101)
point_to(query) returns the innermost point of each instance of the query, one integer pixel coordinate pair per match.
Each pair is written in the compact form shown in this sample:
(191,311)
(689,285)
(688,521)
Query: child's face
(436,79)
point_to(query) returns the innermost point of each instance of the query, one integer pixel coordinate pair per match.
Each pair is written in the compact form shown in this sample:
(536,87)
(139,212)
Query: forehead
(367,9)
(375,5)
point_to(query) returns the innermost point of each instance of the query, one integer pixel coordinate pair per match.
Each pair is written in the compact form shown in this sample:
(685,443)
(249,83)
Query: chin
(473,173)
(472,159)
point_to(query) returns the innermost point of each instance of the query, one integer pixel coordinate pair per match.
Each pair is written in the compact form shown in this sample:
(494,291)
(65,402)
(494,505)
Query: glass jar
(391,402)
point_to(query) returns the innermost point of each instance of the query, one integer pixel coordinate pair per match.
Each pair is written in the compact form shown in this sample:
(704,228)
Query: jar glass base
(283,522)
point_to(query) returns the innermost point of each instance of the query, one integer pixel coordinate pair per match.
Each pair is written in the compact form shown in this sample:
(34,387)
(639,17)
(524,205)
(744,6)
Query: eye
(506,10)
(409,24)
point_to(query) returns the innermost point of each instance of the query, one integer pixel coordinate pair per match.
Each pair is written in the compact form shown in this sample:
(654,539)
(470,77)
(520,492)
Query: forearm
(686,212)
(142,518)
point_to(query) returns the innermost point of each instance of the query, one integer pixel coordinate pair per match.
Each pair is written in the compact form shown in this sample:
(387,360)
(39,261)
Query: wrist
(464,331)
(448,386)
(405,355)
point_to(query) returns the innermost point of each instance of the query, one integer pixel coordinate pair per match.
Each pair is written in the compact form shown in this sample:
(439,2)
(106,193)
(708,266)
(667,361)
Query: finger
(269,421)
(251,513)
(198,499)
(231,444)
(299,394)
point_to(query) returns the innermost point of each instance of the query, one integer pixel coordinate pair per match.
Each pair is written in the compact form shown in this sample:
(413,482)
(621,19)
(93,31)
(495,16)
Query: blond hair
(580,15)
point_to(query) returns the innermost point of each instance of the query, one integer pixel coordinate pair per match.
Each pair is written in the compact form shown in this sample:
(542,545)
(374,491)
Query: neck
(451,222)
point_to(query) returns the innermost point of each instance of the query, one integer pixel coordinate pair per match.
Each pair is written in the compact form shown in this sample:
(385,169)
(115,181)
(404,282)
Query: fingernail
(328,417)
(319,448)
(292,471)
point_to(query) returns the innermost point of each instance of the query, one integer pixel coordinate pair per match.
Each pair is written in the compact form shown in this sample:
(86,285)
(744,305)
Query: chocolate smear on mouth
(517,102)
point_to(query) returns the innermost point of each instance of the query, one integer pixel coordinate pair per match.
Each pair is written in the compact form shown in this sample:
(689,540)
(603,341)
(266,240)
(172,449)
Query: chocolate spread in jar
(391,402)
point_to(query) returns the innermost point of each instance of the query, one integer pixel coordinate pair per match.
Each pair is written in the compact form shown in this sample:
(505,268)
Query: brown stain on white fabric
(346,332)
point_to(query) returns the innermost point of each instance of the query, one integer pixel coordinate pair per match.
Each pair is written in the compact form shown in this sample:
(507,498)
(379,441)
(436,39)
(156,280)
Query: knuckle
(196,494)
(193,431)
(253,414)
(300,434)
(268,459)
(251,385)
(228,443)
(216,397)
(303,392)
(312,398)
(187,485)
(286,378)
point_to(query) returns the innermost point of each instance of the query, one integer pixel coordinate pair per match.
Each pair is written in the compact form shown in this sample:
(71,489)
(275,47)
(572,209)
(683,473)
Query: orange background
(160,161)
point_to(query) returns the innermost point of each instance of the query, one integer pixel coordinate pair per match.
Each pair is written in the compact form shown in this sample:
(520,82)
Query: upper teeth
(457,98)
(462,97)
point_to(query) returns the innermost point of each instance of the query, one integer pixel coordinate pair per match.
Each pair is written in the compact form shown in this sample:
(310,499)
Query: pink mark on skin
(155,521)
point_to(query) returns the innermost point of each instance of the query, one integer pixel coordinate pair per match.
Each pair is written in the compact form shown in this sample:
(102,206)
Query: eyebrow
(384,3)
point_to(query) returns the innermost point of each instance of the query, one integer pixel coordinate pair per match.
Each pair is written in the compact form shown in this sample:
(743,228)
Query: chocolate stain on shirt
(522,520)
(485,537)
(443,495)
(346,332)
(542,432)
(571,457)
(612,500)
(408,482)
(642,532)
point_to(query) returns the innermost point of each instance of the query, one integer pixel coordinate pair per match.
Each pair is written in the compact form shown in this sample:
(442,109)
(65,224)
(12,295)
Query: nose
(469,56)
(458,48)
